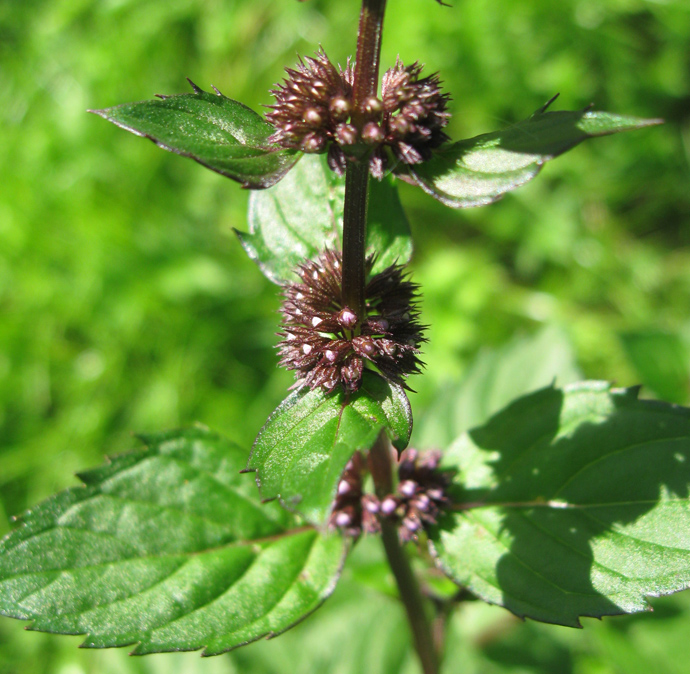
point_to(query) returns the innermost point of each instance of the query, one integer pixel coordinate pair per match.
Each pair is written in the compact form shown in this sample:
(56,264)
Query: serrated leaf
(302,450)
(168,548)
(571,503)
(480,170)
(357,632)
(298,218)
(223,135)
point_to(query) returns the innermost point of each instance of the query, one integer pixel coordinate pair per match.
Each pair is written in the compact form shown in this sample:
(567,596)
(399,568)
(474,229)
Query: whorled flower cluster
(419,499)
(327,344)
(414,114)
(313,106)
(420,496)
(314,112)
(352,513)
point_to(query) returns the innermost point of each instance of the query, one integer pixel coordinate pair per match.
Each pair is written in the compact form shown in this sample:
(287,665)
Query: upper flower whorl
(314,112)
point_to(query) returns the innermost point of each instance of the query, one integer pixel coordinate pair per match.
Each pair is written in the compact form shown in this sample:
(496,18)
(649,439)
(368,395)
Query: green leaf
(480,170)
(571,503)
(302,450)
(168,548)
(301,216)
(662,360)
(223,135)
(495,378)
(357,632)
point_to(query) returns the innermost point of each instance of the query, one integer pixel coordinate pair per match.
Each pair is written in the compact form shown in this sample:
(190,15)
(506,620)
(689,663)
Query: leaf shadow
(569,485)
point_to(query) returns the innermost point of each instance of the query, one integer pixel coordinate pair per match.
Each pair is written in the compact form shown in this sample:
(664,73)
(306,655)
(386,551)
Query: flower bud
(340,108)
(420,496)
(346,134)
(310,103)
(313,142)
(372,134)
(312,118)
(347,318)
(372,107)
(414,111)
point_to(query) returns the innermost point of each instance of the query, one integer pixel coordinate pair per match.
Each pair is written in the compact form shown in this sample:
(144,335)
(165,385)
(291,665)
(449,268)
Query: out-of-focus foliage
(127,303)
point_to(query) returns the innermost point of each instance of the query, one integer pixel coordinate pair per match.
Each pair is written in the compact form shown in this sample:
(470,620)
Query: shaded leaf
(223,135)
(571,503)
(301,452)
(480,170)
(494,379)
(298,218)
(168,548)
(388,233)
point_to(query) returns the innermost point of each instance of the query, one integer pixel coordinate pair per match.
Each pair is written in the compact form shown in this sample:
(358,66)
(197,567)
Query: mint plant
(568,503)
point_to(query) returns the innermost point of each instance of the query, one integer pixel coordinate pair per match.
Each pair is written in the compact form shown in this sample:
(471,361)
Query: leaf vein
(569,546)
(527,566)
(613,452)
(642,541)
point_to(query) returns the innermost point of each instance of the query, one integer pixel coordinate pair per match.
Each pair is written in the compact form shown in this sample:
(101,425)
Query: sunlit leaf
(301,452)
(571,503)
(480,170)
(214,130)
(168,548)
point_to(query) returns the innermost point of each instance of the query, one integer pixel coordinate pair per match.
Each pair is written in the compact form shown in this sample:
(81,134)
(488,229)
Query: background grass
(127,304)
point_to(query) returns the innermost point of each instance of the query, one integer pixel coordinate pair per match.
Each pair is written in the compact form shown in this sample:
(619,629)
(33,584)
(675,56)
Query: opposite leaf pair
(228,137)
(567,503)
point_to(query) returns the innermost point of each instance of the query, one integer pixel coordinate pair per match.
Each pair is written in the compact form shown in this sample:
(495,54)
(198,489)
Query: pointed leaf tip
(219,133)
(547,105)
(197,89)
(480,170)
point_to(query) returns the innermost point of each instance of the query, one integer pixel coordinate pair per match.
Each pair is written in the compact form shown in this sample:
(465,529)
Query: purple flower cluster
(420,495)
(313,105)
(327,344)
(314,112)
(418,501)
(350,513)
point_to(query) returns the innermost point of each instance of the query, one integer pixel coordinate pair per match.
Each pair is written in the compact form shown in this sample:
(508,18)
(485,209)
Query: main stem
(381,468)
(365,85)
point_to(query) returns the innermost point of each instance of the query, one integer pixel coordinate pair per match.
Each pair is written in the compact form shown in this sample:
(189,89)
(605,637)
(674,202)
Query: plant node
(315,112)
(328,344)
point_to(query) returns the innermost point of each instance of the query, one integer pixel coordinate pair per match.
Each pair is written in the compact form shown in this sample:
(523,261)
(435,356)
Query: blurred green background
(127,304)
